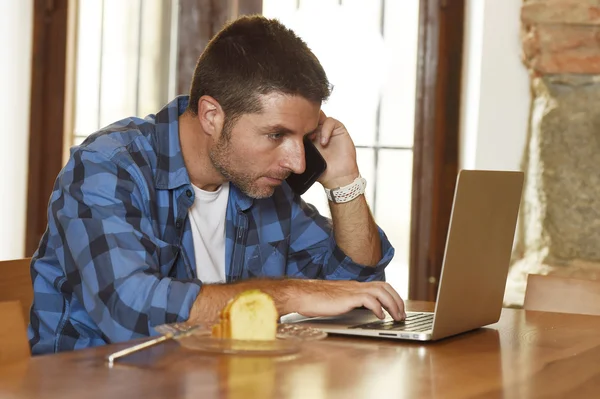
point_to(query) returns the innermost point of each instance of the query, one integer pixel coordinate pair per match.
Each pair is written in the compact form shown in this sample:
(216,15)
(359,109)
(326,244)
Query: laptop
(474,270)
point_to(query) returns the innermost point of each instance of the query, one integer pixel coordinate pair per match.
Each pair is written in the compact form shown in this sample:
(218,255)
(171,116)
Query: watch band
(347,193)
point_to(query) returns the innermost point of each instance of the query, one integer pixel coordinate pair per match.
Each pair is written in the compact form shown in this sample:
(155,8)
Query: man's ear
(211,116)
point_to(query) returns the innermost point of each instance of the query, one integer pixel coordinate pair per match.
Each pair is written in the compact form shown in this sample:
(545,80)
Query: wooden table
(526,354)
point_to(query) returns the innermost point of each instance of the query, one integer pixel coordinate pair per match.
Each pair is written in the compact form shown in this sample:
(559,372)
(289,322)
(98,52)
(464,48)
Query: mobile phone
(315,166)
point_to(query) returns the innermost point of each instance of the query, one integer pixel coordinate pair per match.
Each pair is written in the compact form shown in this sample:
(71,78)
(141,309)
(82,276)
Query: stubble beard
(221,158)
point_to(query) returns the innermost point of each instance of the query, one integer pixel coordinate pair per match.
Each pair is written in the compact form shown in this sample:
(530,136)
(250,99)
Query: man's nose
(295,160)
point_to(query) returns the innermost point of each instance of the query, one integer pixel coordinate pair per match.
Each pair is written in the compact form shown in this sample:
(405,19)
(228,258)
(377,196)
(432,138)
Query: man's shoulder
(148,147)
(128,145)
(121,136)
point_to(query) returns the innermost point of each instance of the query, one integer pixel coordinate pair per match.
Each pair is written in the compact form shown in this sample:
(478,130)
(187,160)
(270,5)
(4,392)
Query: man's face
(261,150)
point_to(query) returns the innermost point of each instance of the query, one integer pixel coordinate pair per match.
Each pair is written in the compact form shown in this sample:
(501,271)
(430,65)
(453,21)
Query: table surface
(526,354)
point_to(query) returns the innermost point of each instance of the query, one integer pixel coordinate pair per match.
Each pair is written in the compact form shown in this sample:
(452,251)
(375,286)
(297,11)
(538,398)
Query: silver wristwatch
(347,193)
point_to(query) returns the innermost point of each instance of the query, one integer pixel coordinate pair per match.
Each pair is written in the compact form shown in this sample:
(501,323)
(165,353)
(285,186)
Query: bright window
(369,51)
(124,61)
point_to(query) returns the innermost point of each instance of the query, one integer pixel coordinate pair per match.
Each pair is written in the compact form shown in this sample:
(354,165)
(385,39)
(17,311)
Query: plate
(289,339)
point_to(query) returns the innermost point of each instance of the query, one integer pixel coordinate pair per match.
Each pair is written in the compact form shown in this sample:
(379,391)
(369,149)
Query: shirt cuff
(347,269)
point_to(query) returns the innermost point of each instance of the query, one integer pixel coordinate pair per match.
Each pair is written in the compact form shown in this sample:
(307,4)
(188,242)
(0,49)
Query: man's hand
(332,298)
(335,144)
(310,298)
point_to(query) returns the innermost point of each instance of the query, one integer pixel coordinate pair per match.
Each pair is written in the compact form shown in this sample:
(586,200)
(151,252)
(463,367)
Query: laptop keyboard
(417,322)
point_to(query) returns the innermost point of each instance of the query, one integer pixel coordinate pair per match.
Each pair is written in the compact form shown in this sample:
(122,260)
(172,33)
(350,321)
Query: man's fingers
(387,300)
(326,131)
(371,303)
(397,299)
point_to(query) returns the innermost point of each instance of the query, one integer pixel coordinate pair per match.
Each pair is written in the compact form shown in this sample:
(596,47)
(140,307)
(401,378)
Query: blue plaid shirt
(117,257)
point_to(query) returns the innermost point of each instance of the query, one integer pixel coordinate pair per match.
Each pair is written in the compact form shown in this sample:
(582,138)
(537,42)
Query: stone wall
(560,215)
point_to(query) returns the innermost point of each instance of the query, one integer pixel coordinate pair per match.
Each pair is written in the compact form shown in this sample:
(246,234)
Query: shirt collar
(242,201)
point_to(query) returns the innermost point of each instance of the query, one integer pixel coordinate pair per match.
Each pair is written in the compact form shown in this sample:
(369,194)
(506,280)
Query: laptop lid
(478,250)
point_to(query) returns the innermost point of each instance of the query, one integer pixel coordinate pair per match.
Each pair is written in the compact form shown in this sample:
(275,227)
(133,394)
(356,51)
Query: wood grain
(13,336)
(526,354)
(15,284)
(561,294)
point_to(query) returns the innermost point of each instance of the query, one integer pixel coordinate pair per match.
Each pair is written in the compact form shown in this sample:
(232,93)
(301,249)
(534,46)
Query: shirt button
(178,223)
(188,193)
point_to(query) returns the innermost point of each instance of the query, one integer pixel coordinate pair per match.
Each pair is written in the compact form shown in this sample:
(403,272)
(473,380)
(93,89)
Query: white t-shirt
(207,217)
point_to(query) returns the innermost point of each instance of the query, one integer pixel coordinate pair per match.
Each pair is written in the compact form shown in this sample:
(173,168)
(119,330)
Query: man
(164,219)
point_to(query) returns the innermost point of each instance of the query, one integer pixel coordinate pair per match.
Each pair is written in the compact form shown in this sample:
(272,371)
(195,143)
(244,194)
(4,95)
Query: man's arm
(355,231)
(314,253)
(307,297)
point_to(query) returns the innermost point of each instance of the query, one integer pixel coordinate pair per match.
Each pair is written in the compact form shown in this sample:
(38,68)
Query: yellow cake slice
(251,316)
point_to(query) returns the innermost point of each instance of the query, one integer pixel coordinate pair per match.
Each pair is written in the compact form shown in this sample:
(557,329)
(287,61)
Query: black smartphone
(315,166)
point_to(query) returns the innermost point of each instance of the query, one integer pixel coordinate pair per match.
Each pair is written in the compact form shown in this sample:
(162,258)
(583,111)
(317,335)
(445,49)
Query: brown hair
(252,56)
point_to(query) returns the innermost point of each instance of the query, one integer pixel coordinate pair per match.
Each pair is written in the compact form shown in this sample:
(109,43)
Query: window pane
(154,71)
(394,184)
(124,61)
(398,101)
(352,54)
(87,83)
(119,60)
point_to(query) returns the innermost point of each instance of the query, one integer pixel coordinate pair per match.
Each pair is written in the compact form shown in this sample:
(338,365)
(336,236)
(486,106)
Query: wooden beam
(50,25)
(435,162)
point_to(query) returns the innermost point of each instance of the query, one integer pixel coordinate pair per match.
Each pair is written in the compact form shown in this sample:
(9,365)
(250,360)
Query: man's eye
(275,136)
